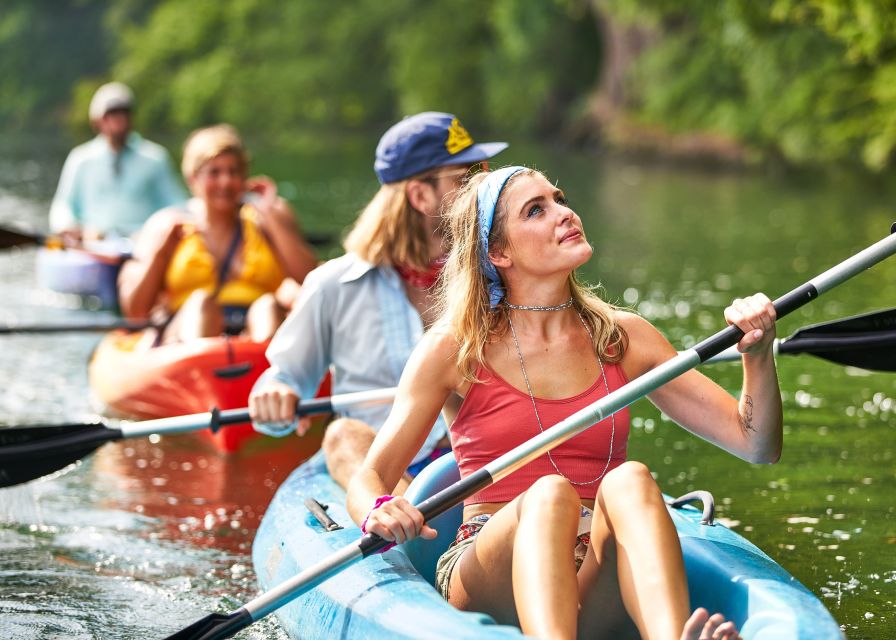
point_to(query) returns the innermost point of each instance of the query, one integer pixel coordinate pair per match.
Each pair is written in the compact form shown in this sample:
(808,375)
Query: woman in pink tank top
(579,541)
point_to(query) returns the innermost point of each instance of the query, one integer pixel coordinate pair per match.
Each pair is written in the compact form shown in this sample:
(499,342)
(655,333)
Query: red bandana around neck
(422,279)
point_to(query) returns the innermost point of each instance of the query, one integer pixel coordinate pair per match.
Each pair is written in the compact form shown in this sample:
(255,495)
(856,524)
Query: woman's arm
(428,379)
(278,222)
(750,428)
(142,278)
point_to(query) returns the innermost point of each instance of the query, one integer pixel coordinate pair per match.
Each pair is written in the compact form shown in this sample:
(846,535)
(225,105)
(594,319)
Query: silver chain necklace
(603,375)
(524,307)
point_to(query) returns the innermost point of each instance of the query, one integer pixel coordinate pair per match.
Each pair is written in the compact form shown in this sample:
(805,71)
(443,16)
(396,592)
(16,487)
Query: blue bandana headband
(487,197)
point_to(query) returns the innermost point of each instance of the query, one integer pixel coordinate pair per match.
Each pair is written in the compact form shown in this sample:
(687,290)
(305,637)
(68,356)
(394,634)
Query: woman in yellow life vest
(232,258)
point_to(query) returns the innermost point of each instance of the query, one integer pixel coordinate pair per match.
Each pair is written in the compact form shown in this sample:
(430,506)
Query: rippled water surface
(146,536)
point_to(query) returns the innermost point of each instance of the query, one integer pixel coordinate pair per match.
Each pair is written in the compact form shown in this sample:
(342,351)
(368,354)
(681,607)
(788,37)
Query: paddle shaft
(10,237)
(215,419)
(532,449)
(126,325)
(28,452)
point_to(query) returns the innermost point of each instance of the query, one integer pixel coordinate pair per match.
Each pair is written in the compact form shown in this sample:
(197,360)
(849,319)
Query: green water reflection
(677,244)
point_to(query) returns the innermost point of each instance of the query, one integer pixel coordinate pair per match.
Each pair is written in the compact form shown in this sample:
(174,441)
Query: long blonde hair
(390,231)
(462,299)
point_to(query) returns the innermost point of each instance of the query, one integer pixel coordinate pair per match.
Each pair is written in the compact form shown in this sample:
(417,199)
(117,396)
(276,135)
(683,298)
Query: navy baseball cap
(425,141)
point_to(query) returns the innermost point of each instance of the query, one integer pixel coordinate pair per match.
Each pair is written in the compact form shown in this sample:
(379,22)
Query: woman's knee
(201,300)
(199,316)
(266,304)
(552,493)
(263,318)
(630,483)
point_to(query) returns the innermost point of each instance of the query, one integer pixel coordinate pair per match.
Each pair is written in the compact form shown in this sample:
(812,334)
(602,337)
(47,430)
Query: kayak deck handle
(233,371)
(319,511)
(701,495)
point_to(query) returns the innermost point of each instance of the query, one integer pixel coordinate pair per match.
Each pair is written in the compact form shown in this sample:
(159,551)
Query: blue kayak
(89,272)
(391,595)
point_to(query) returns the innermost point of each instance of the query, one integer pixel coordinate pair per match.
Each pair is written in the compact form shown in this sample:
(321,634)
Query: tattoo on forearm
(746,420)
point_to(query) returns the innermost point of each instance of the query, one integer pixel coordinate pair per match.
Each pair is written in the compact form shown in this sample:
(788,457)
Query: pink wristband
(376,505)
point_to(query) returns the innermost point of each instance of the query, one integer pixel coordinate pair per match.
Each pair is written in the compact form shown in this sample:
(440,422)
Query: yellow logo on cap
(458,138)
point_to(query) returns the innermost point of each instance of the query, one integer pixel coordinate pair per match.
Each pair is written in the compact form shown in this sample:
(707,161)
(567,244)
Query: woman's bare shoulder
(647,347)
(440,341)
(632,323)
(437,353)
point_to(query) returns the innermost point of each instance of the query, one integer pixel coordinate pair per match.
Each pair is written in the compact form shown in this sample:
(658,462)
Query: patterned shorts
(465,537)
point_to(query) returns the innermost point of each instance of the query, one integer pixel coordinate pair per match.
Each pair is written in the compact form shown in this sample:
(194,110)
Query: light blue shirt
(114,193)
(354,319)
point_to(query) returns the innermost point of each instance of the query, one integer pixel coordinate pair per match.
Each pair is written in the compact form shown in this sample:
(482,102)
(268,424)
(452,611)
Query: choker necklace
(525,307)
(603,374)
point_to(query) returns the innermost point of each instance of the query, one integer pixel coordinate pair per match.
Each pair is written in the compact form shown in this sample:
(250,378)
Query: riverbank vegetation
(803,82)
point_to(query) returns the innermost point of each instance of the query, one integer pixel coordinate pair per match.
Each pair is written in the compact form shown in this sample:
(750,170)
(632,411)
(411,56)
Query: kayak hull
(379,597)
(390,595)
(178,379)
(83,273)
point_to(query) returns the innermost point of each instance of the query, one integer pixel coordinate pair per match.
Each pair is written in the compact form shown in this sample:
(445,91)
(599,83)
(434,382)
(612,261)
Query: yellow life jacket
(193,267)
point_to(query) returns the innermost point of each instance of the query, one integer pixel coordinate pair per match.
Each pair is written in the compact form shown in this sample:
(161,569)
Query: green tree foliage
(275,66)
(809,81)
(813,81)
(45,47)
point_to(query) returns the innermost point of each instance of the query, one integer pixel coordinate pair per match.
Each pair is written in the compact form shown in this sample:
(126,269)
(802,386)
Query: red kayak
(136,382)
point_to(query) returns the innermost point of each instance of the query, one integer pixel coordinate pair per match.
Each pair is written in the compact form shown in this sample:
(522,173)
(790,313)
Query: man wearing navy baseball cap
(425,141)
(360,316)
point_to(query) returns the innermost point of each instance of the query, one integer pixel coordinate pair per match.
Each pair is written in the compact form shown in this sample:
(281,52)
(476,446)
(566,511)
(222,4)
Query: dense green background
(798,81)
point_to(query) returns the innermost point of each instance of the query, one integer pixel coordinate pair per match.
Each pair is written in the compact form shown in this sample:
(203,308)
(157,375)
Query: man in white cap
(112,184)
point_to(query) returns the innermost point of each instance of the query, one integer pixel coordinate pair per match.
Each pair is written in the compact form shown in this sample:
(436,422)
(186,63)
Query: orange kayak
(177,379)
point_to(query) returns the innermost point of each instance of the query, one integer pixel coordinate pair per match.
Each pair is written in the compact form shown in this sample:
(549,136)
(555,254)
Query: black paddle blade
(215,626)
(18,238)
(883,320)
(867,341)
(27,453)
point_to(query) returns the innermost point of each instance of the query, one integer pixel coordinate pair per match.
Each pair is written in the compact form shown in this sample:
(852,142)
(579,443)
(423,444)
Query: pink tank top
(495,417)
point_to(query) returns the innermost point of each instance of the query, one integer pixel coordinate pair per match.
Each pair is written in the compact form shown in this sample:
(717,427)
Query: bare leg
(633,537)
(346,442)
(199,317)
(548,520)
(287,293)
(263,318)
(521,569)
(632,529)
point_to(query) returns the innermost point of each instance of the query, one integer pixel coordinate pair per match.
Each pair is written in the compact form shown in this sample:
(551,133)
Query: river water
(145,536)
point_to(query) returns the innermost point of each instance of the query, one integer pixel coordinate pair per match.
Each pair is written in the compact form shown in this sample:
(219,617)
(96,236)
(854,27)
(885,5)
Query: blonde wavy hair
(462,299)
(210,142)
(389,230)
